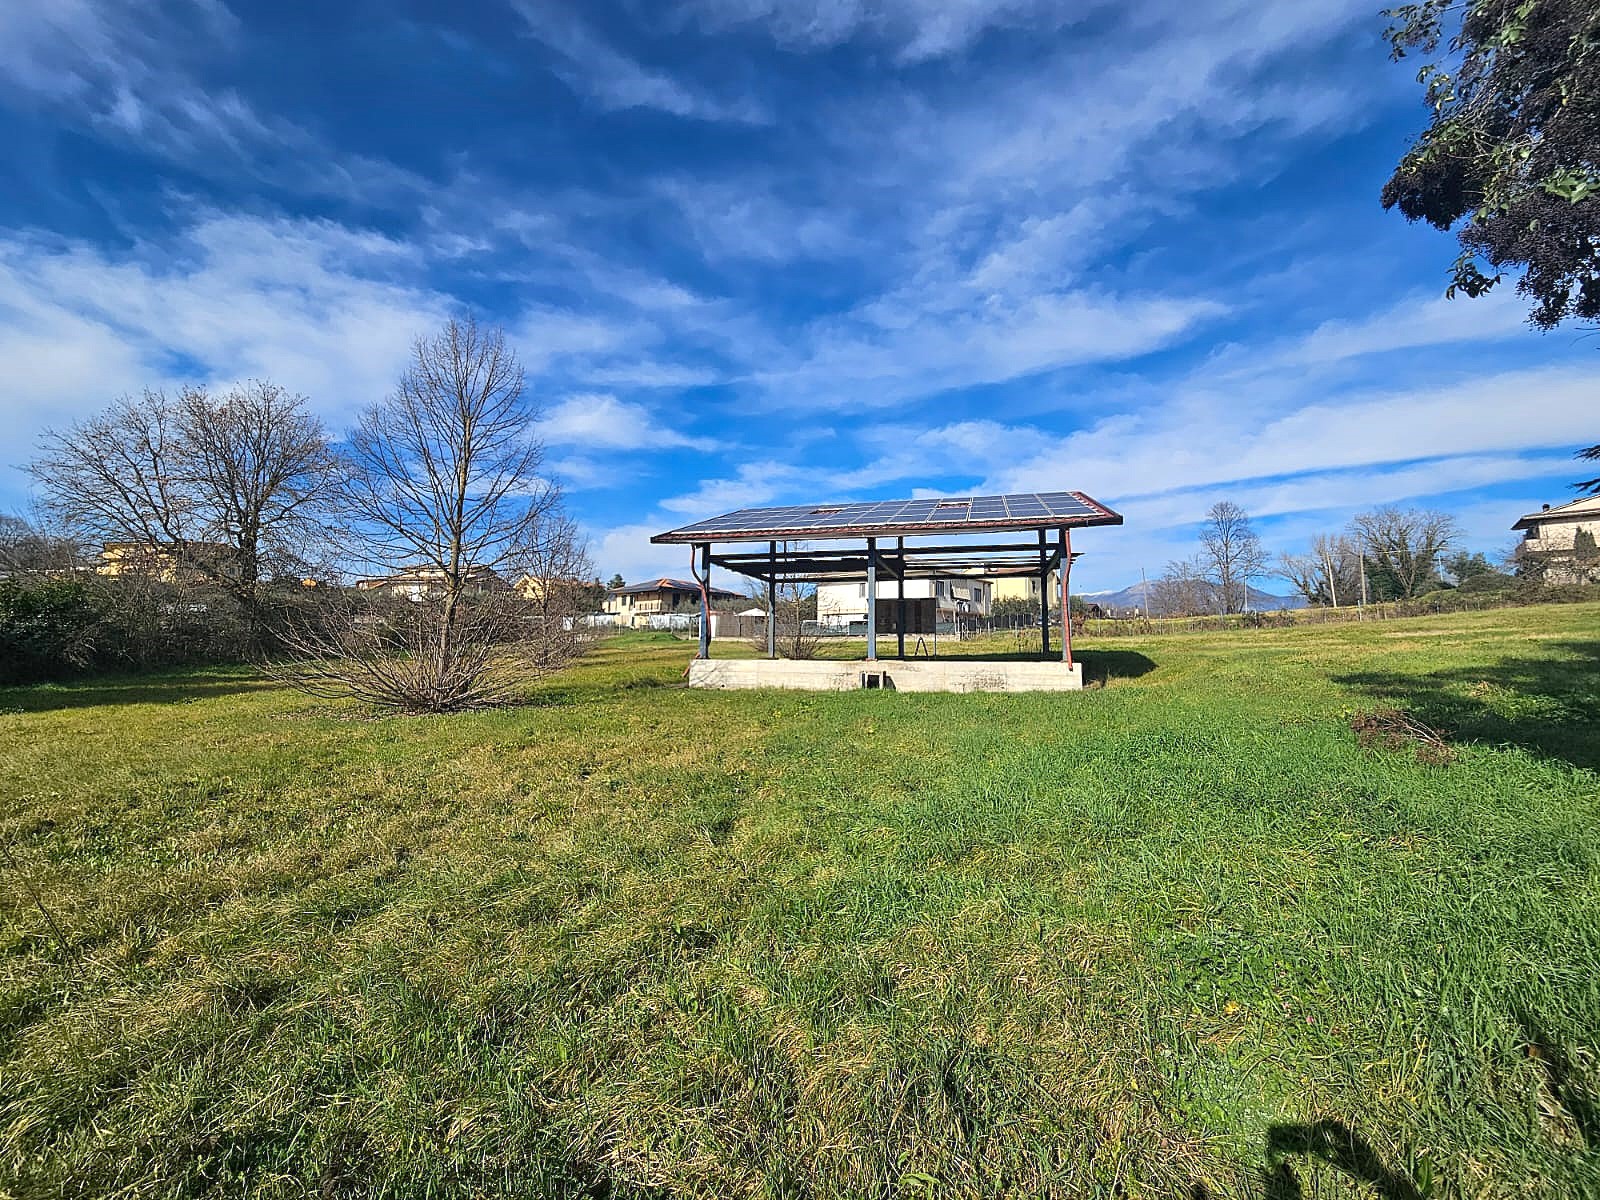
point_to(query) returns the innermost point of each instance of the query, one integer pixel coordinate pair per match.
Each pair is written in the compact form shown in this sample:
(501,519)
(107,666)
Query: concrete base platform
(915,675)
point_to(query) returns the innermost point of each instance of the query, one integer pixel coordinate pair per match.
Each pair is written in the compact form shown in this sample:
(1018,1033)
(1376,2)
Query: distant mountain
(1133,597)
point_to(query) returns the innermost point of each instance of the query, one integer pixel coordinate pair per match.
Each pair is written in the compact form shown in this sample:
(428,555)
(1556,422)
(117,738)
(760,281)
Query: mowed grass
(1176,935)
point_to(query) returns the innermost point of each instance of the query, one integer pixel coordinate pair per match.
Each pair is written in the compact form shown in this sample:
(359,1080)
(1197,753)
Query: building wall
(1024,587)
(1553,539)
(839,603)
(1560,533)
(117,560)
(635,607)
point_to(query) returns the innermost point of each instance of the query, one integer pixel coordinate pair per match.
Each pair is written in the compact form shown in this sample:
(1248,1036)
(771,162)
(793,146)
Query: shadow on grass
(124,689)
(1551,708)
(1102,666)
(1564,1080)
(1342,1148)
(1336,1144)
(1099,666)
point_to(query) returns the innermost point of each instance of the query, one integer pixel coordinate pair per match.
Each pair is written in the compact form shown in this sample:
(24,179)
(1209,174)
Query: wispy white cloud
(595,68)
(752,484)
(301,302)
(1413,321)
(130,73)
(916,30)
(903,347)
(1211,439)
(599,421)
(321,308)
(626,550)
(644,373)
(747,218)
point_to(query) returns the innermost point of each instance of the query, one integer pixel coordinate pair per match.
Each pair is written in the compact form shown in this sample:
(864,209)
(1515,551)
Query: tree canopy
(1514,88)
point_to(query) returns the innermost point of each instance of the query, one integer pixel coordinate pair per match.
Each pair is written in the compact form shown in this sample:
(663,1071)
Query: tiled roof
(1585,506)
(666,585)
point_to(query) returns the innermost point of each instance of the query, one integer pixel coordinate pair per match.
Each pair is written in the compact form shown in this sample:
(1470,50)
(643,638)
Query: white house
(957,597)
(1562,540)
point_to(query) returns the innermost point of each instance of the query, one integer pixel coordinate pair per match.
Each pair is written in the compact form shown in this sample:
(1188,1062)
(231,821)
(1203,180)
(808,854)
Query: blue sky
(760,251)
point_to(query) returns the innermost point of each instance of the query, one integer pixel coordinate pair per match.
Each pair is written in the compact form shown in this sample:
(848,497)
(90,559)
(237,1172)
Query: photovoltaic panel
(957,514)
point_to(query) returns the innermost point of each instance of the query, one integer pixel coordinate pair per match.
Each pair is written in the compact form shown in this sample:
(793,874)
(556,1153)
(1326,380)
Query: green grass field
(1176,935)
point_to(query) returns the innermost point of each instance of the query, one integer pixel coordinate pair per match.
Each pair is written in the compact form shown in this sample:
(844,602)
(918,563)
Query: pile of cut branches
(1397,730)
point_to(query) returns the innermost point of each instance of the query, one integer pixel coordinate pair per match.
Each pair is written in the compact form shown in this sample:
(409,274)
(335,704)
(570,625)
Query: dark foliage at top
(1591,486)
(1511,147)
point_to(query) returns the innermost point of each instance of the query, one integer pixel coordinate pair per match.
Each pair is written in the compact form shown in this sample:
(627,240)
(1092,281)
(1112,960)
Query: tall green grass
(1178,934)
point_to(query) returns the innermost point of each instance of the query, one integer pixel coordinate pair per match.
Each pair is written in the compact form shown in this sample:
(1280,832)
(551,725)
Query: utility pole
(1144,586)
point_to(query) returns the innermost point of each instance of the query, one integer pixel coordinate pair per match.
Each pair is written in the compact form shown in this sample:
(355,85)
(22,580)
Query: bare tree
(1404,547)
(443,481)
(556,583)
(1329,574)
(1182,590)
(221,489)
(29,549)
(1232,553)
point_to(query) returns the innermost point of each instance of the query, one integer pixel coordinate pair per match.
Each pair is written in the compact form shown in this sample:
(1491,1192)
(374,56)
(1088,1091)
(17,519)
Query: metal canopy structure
(958,514)
(805,565)
(790,557)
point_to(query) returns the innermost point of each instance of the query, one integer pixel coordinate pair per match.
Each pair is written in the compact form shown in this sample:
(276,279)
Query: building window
(861,590)
(1532,534)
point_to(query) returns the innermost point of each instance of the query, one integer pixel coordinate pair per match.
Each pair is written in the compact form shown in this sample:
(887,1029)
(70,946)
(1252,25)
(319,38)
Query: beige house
(119,559)
(636,603)
(427,583)
(1024,587)
(1562,541)
(533,588)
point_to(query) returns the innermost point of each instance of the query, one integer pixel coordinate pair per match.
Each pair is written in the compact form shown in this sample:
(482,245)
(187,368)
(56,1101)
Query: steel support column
(1066,596)
(705,600)
(872,599)
(1044,592)
(772,601)
(900,607)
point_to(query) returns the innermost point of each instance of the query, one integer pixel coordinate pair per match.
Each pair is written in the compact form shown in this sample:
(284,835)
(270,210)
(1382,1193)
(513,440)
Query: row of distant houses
(1561,539)
(119,559)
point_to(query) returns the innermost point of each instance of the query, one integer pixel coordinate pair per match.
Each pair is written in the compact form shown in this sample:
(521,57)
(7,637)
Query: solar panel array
(974,513)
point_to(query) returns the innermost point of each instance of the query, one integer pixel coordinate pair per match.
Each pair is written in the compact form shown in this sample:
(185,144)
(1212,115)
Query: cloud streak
(594,68)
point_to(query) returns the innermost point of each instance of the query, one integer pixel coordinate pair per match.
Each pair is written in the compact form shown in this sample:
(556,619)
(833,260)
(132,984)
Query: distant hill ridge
(1133,597)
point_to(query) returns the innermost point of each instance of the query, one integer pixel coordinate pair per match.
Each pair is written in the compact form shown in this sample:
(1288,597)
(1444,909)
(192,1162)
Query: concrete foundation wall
(941,675)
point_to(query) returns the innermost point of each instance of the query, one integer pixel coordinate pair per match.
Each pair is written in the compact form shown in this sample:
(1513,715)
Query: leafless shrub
(793,616)
(396,653)
(1395,730)
(793,622)
(30,548)
(1183,590)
